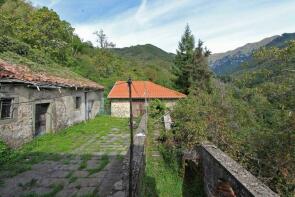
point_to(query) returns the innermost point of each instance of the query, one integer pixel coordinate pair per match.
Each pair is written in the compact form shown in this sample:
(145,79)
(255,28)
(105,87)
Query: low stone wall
(138,160)
(222,176)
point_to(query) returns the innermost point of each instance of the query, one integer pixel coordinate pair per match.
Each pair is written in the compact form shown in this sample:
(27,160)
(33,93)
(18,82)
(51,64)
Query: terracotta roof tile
(142,89)
(23,73)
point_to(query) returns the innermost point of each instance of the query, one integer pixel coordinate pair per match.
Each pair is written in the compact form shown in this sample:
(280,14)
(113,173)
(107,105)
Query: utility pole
(131,139)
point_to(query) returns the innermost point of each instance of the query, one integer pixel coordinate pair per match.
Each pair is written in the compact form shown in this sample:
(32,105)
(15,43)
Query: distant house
(142,91)
(33,103)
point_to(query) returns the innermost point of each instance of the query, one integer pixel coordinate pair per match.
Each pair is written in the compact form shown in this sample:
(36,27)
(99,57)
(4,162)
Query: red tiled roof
(23,73)
(142,89)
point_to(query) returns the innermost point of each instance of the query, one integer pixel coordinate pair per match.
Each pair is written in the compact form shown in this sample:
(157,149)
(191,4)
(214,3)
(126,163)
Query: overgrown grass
(160,179)
(164,176)
(55,190)
(102,164)
(84,158)
(73,137)
(53,146)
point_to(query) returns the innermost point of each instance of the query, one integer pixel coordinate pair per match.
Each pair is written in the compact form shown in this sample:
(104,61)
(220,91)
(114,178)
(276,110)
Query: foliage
(237,60)
(40,36)
(154,62)
(9,44)
(251,118)
(163,176)
(191,67)
(157,108)
(5,152)
(102,40)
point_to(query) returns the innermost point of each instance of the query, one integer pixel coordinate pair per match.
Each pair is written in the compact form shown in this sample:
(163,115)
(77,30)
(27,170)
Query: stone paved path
(74,174)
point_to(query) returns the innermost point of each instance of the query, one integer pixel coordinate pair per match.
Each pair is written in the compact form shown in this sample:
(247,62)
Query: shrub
(157,108)
(5,152)
(13,45)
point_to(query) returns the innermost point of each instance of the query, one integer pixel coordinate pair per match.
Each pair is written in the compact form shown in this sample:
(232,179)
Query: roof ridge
(24,73)
(144,89)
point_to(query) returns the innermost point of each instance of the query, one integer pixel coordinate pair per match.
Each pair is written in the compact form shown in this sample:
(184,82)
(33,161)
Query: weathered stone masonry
(138,162)
(61,112)
(221,171)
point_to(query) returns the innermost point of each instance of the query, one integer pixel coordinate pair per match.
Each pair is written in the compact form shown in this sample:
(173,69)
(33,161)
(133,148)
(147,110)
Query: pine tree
(200,73)
(183,59)
(191,65)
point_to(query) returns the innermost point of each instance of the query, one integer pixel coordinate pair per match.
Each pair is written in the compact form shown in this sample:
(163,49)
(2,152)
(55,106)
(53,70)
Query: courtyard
(82,160)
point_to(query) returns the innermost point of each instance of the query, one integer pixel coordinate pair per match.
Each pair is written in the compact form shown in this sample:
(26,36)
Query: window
(6,108)
(78,102)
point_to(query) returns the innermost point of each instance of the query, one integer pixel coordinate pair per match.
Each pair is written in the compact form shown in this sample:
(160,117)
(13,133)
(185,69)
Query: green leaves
(191,64)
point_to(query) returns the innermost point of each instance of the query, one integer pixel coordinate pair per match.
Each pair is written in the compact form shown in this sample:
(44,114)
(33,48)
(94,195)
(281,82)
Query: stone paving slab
(66,175)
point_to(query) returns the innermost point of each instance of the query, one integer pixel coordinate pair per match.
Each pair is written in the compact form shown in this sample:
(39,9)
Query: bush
(157,108)
(5,152)
(13,45)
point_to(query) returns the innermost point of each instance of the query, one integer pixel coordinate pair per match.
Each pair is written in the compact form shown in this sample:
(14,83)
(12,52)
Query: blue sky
(222,24)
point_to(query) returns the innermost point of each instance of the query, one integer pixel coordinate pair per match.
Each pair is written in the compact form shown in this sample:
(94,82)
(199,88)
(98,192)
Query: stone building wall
(121,108)
(61,110)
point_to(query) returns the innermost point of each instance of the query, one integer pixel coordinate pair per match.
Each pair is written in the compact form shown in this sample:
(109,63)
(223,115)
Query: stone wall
(121,108)
(222,176)
(138,161)
(61,112)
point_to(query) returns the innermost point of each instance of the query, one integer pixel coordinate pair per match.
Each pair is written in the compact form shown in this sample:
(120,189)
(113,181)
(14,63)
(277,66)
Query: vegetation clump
(250,115)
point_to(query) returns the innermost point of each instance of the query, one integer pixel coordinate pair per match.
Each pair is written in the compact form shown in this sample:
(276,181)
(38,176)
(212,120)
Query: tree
(191,66)
(102,40)
(200,75)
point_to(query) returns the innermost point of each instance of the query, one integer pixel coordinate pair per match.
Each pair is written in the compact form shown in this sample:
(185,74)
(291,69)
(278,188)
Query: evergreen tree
(200,73)
(191,66)
(183,59)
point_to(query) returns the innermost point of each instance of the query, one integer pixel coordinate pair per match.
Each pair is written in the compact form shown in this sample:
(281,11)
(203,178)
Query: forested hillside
(38,36)
(234,60)
(156,62)
(250,115)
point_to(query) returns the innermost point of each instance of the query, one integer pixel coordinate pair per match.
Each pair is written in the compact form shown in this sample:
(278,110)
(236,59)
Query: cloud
(223,25)
(48,3)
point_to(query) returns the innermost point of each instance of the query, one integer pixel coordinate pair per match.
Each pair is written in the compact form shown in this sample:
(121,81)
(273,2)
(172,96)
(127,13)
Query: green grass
(70,174)
(2,183)
(160,179)
(84,158)
(66,141)
(73,179)
(162,174)
(55,190)
(102,164)
(73,137)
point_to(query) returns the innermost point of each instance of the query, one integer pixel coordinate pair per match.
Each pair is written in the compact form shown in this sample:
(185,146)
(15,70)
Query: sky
(222,24)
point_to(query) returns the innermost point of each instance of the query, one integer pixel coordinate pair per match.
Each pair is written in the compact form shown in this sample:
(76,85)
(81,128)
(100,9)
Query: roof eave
(46,84)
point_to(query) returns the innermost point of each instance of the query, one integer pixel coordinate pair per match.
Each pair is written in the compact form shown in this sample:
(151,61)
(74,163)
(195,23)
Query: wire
(135,89)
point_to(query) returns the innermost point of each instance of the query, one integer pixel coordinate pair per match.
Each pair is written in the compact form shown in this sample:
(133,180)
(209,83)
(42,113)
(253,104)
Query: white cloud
(223,25)
(48,3)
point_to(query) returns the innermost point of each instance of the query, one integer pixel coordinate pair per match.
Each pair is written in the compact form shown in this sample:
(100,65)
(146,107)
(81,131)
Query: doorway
(41,118)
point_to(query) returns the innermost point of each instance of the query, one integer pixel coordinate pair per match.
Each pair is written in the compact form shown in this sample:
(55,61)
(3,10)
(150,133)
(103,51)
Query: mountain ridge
(156,62)
(230,61)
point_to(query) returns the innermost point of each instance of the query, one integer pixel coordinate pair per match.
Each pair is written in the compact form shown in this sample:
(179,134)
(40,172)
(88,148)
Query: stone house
(35,103)
(142,93)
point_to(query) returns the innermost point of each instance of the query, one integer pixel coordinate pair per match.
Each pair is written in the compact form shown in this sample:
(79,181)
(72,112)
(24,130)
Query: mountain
(155,62)
(145,54)
(230,61)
